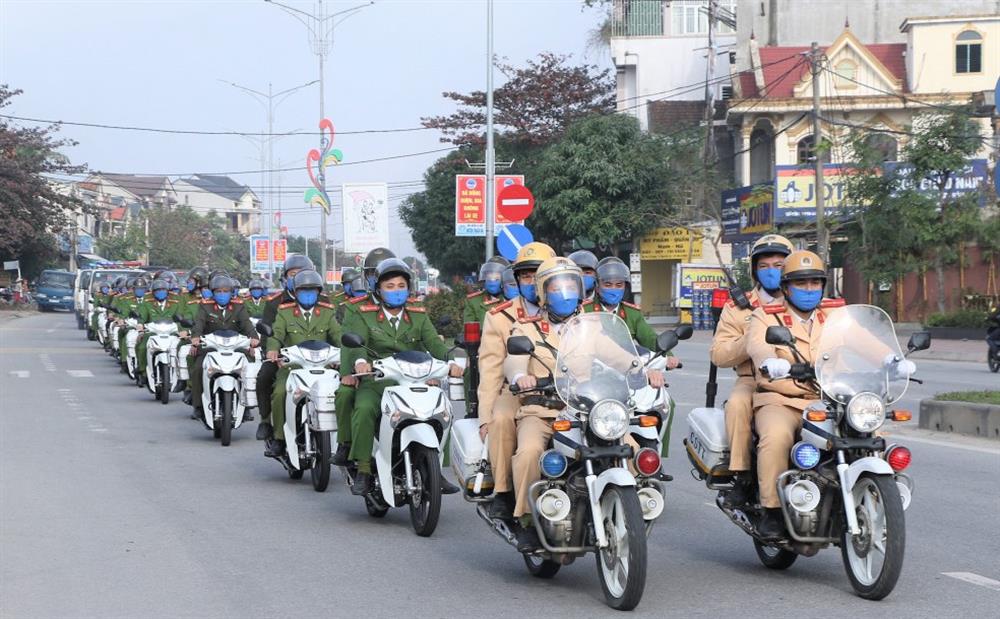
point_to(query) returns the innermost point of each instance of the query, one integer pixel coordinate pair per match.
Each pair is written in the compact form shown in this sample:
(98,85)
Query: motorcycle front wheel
(774,558)
(541,568)
(226,423)
(621,566)
(164,388)
(425,504)
(874,558)
(321,461)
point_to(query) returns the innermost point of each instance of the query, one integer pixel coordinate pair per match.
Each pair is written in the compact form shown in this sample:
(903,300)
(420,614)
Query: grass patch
(976,397)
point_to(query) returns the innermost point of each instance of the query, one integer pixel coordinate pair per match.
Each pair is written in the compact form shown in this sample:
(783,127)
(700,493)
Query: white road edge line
(903,438)
(975,579)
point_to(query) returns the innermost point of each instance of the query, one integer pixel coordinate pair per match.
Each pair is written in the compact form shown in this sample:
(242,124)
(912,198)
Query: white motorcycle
(653,402)
(310,417)
(131,340)
(102,326)
(222,396)
(161,358)
(416,416)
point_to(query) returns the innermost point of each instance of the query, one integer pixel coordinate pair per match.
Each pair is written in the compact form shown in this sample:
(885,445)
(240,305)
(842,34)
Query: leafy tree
(31,210)
(177,237)
(900,226)
(130,245)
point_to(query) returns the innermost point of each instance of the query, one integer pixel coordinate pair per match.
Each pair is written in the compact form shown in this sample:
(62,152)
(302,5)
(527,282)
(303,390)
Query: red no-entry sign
(515,202)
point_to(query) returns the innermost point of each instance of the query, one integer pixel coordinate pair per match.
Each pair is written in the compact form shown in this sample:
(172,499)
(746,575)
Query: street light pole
(321,38)
(490,151)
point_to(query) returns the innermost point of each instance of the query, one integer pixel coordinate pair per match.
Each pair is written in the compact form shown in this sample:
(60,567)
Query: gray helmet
(140,282)
(500,260)
(120,282)
(613,271)
(297,261)
(374,257)
(608,259)
(307,278)
(508,277)
(358,282)
(130,281)
(221,281)
(392,267)
(584,259)
(257,283)
(160,284)
(490,268)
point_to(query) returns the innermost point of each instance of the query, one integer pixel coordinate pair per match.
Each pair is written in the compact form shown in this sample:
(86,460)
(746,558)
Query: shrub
(963,318)
(447,303)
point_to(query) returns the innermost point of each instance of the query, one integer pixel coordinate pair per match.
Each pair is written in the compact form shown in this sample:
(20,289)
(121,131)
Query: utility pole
(321,39)
(821,235)
(709,152)
(267,148)
(490,151)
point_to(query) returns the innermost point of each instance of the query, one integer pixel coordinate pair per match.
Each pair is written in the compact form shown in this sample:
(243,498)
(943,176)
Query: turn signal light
(816,415)
(562,425)
(901,415)
(899,458)
(472,333)
(647,461)
(647,421)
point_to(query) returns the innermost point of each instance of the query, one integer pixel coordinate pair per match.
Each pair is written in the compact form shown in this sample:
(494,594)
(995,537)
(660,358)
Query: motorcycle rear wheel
(226,424)
(425,508)
(883,532)
(164,388)
(541,568)
(994,363)
(320,470)
(621,566)
(774,558)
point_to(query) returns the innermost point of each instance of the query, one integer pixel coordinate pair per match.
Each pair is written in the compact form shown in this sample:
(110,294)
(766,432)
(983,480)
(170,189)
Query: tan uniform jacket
(497,325)
(786,391)
(729,345)
(544,336)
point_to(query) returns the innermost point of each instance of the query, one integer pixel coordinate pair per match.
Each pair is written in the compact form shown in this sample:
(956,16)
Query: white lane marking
(47,362)
(80,373)
(20,373)
(975,579)
(50,330)
(905,437)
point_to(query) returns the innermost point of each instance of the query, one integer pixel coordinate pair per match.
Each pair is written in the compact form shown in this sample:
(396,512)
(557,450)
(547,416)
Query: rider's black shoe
(181,386)
(362,484)
(196,412)
(527,539)
(502,507)
(275,448)
(140,378)
(740,493)
(247,414)
(187,397)
(772,525)
(264,431)
(340,457)
(447,487)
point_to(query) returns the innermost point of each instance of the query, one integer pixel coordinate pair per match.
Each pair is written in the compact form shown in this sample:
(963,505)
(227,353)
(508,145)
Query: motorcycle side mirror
(352,340)
(520,345)
(264,329)
(443,321)
(666,341)
(684,332)
(460,339)
(186,322)
(133,314)
(779,336)
(921,340)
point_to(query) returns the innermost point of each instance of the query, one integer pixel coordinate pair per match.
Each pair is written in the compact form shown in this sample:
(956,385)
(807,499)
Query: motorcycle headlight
(609,419)
(415,370)
(315,356)
(866,412)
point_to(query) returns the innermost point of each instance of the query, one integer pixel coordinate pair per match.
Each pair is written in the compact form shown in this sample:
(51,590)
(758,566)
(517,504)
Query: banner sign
(470,203)
(366,217)
(258,253)
(670,244)
(795,190)
(747,212)
(972,178)
(691,277)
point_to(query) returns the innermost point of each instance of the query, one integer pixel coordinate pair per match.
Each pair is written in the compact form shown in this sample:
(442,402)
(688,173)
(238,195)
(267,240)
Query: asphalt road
(113,505)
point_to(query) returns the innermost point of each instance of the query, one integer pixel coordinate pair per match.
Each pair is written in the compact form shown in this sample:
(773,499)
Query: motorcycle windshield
(596,361)
(853,349)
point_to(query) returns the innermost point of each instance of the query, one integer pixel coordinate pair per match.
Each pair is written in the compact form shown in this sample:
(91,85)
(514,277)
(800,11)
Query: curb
(961,418)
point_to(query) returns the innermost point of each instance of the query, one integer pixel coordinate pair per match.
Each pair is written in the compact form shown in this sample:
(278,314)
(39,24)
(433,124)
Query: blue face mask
(290,284)
(529,292)
(222,298)
(493,287)
(256,292)
(589,281)
(190,286)
(611,296)
(140,292)
(122,290)
(562,303)
(510,291)
(307,298)
(395,298)
(372,280)
(357,293)
(160,295)
(348,290)
(769,278)
(105,290)
(206,293)
(804,300)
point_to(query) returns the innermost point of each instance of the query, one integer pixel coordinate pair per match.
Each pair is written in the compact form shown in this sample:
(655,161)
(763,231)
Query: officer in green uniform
(160,307)
(385,329)
(306,318)
(613,277)
(474,310)
(257,302)
(218,313)
(587,262)
(126,306)
(100,299)
(357,297)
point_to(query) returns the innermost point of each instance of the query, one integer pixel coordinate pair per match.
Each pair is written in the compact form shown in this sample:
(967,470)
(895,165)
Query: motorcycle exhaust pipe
(554,504)
(652,503)
(803,496)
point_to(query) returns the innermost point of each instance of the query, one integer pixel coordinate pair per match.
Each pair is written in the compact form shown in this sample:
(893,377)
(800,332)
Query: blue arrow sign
(511,239)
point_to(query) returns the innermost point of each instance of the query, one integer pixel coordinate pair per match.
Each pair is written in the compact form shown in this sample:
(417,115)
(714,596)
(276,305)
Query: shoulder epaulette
(419,310)
(356,300)
(194,301)
(501,307)
(287,305)
(828,303)
(236,301)
(632,305)
(274,296)
(371,307)
(324,304)
(207,301)
(473,294)
(775,308)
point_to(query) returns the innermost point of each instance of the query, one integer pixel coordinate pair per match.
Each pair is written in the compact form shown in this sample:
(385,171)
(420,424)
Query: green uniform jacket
(255,308)
(150,311)
(126,303)
(370,322)
(292,328)
(210,319)
(476,306)
(631,314)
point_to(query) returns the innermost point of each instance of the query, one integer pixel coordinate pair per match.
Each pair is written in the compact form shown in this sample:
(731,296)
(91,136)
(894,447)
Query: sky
(165,64)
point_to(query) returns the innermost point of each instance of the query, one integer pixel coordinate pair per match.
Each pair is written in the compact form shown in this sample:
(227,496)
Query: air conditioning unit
(727,93)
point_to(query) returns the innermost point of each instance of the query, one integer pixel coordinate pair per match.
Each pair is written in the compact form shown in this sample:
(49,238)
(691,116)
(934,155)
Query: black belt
(540,400)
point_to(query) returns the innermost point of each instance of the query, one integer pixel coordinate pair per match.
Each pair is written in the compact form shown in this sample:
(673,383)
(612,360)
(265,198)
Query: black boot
(502,507)
(340,457)
(740,493)
(187,397)
(197,413)
(772,525)
(247,414)
(362,484)
(264,431)
(275,448)
(527,539)
(181,386)
(447,487)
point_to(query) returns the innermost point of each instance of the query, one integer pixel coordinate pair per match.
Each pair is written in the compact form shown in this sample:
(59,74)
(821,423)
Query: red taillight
(472,333)
(899,458)
(647,461)
(720,296)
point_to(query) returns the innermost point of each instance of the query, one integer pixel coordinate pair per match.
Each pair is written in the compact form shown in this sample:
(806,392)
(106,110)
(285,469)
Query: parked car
(54,290)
